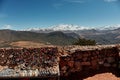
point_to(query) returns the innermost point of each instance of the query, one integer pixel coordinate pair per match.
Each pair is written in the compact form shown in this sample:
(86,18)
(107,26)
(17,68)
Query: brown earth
(103,76)
(28,44)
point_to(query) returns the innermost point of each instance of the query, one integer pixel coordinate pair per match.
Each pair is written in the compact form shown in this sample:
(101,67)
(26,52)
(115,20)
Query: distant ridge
(102,35)
(55,38)
(65,37)
(71,27)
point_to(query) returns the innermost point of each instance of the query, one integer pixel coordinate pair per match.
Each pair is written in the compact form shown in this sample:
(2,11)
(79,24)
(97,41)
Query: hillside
(102,35)
(28,44)
(54,38)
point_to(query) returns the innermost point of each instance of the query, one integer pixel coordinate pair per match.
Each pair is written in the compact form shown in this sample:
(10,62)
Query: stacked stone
(27,60)
(89,60)
(45,61)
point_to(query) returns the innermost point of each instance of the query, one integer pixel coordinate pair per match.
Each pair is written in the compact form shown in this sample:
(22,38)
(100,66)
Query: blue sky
(21,14)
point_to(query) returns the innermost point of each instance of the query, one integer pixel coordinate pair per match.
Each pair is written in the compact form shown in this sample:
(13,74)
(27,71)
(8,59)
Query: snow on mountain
(109,27)
(70,27)
(61,27)
(31,29)
(65,27)
(36,29)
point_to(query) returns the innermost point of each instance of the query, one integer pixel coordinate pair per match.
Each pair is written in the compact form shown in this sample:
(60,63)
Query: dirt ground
(103,76)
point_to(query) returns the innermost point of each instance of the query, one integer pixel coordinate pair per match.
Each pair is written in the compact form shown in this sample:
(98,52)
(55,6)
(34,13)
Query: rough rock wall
(89,60)
(28,62)
(48,61)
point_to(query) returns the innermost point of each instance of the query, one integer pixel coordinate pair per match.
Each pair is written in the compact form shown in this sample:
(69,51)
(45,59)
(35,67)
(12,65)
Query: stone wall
(74,61)
(90,61)
(27,62)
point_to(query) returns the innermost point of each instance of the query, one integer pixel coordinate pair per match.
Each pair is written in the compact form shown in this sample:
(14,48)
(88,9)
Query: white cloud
(58,5)
(110,0)
(7,27)
(75,1)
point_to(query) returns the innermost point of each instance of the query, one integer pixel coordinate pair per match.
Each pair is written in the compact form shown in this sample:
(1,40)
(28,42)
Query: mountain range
(102,35)
(71,27)
(61,35)
(53,38)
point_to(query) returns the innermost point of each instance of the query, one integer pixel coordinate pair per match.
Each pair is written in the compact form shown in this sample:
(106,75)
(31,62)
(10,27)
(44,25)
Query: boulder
(11,56)
(62,63)
(64,68)
(85,55)
(94,64)
(3,56)
(78,65)
(100,62)
(119,65)
(70,63)
(84,59)
(114,65)
(72,70)
(106,64)
(110,59)
(1,68)
(79,56)
(85,63)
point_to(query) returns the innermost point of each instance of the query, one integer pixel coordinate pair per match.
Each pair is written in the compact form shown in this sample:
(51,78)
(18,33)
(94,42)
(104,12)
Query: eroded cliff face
(83,63)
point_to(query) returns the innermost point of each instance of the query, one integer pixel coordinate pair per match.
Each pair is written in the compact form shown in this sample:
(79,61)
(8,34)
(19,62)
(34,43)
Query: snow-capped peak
(64,27)
(60,27)
(70,27)
(109,27)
